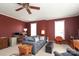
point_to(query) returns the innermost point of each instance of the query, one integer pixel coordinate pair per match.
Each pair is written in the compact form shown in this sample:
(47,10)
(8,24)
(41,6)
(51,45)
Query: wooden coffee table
(25,49)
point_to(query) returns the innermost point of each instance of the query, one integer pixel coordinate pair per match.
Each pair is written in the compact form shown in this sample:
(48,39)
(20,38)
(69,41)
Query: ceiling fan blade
(28,11)
(34,7)
(19,8)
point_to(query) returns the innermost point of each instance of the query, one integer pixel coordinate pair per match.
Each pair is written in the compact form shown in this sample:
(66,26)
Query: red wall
(9,25)
(41,25)
(48,26)
(28,28)
(50,29)
(71,27)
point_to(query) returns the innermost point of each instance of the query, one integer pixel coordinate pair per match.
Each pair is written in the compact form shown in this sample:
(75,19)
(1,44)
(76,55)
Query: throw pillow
(36,39)
(42,37)
(29,39)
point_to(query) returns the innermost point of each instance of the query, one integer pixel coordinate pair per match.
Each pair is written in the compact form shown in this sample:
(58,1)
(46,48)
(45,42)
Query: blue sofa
(37,41)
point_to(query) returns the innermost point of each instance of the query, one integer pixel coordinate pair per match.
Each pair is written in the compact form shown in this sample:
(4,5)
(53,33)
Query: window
(59,28)
(33,29)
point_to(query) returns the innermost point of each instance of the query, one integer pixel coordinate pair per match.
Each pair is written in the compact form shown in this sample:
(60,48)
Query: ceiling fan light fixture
(27,7)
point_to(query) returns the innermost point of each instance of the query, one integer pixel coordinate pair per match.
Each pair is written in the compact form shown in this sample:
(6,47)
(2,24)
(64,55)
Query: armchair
(58,39)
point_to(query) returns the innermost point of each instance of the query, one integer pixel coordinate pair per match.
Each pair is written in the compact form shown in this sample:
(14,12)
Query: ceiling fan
(27,7)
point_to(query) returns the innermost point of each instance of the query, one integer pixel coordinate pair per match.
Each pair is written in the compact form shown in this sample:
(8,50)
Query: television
(16,33)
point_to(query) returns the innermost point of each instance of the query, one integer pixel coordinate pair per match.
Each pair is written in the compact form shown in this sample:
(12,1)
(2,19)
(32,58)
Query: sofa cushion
(29,39)
(73,52)
(42,37)
(36,39)
(67,54)
(62,54)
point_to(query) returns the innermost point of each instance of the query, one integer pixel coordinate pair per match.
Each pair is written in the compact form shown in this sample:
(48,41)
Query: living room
(20,25)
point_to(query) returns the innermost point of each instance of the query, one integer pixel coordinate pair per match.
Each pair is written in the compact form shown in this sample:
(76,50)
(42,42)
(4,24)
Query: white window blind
(59,28)
(33,29)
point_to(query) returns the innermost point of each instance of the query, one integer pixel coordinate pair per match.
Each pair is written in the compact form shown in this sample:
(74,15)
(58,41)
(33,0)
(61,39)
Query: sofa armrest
(73,52)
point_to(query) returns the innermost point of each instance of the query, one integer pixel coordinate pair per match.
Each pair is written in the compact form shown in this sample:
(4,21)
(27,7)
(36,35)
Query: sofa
(69,52)
(37,41)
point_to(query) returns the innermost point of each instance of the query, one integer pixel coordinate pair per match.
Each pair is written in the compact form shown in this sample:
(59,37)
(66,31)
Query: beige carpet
(14,50)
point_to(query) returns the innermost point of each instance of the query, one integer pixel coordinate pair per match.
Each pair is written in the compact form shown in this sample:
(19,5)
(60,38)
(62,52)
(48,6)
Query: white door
(33,29)
(59,28)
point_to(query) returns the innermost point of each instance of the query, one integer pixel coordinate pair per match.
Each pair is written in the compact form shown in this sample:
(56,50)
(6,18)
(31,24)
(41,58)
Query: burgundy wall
(9,25)
(50,29)
(28,28)
(41,25)
(71,27)
(78,22)
(78,26)
(48,26)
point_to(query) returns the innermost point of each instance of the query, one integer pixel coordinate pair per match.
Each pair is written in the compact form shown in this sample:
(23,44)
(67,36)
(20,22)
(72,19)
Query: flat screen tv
(16,33)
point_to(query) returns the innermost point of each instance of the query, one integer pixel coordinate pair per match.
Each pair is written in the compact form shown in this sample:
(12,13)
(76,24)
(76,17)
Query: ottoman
(48,47)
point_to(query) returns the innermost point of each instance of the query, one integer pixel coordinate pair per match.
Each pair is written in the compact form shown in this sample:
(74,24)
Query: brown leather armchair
(25,49)
(22,49)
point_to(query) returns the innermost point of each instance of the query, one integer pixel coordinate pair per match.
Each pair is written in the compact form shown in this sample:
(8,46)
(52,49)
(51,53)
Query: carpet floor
(12,51)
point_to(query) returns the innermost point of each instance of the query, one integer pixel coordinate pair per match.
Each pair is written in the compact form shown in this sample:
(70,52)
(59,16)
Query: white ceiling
(47,11)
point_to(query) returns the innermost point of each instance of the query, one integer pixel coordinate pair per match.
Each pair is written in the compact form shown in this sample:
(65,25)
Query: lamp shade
(25,29)
(42,31)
